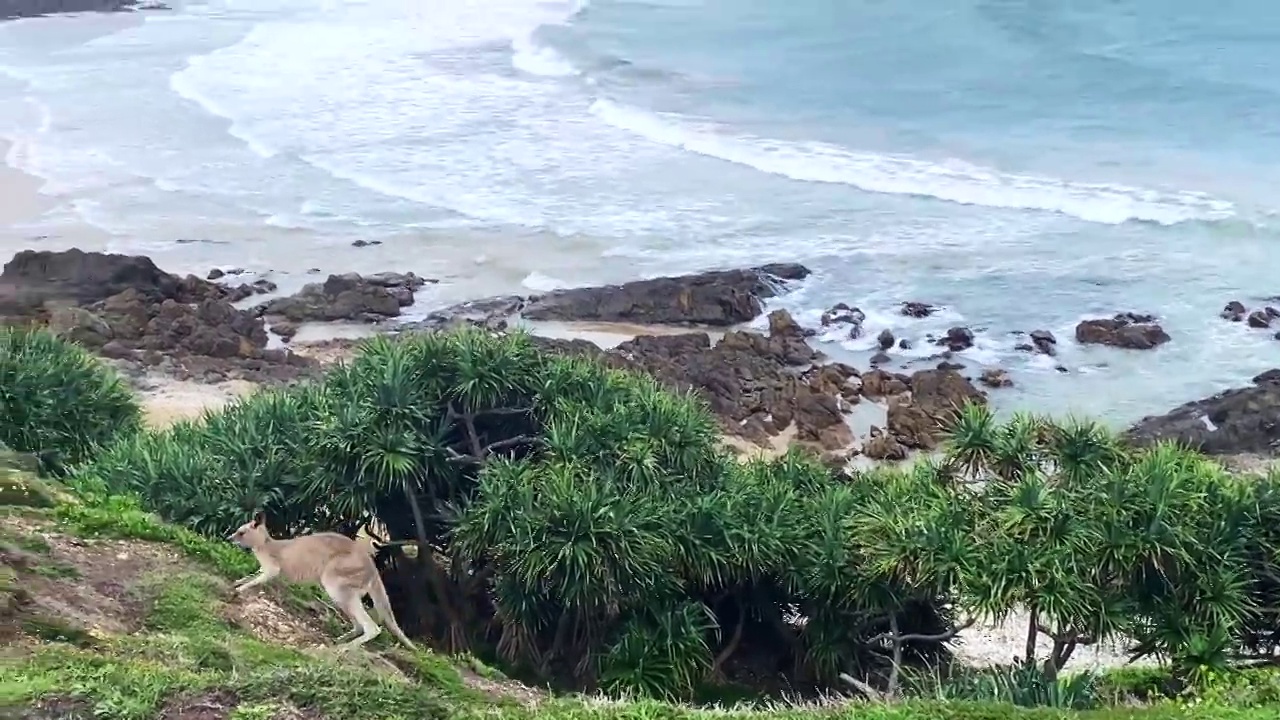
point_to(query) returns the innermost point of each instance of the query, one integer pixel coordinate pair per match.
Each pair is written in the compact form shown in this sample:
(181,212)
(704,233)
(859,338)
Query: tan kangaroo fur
(339,564)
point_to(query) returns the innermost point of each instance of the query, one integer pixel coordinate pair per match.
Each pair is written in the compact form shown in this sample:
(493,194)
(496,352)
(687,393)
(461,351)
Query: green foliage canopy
(57,402)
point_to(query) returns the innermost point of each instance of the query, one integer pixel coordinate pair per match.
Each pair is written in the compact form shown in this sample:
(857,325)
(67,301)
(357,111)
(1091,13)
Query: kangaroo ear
(259,519)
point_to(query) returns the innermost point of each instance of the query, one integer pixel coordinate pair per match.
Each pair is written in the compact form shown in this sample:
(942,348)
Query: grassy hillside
(106,612)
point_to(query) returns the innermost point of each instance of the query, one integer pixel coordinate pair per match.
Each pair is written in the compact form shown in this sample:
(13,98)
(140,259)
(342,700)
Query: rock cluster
(353,297)
(718,298)
(1130,331)
(1240,421)
(1263,318)
(36,8)
(127,309)
(761,386)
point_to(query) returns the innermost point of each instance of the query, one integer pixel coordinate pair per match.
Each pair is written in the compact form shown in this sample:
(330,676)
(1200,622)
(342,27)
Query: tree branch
(1071,636)
(914,637)
(458,458)
(872,694)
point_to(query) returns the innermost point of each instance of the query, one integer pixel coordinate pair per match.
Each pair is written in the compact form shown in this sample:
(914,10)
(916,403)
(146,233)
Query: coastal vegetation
(582,528)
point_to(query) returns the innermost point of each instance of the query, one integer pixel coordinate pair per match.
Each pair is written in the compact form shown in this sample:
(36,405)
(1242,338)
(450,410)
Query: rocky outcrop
(35,8)
(1240,421)
(33,282)
(352,297)
(126,309)
(33,278)
(717,298)
(920,418)
(1131,331)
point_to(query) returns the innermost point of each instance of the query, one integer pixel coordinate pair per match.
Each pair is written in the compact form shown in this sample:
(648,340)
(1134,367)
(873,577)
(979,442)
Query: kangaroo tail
(378,593)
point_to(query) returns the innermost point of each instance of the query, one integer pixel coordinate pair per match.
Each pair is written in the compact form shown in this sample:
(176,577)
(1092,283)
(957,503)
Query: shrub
(57,401)
(577,521)
(583,525)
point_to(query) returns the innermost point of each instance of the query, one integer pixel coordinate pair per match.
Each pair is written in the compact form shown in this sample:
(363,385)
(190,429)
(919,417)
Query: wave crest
(954,180)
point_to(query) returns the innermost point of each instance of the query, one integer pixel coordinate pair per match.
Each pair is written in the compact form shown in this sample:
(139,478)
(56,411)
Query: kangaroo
(338,563)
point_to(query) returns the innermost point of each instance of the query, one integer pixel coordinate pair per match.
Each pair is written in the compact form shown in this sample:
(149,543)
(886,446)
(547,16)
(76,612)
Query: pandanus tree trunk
(455,636)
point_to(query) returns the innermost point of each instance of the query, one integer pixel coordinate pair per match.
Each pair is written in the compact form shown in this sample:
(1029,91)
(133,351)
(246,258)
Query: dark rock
(905,344)
(1044,342)
(948,365)
(880,358)
(918,309)
(995,378)
(781,324)
(884,447)
(1270,376)
(843,314)
(921,419)
(717,298)
(837,380)
(36,8)
(215,274)
(284,329)
(347,297)
(79,325)
(880,383)
(957,339)
(1234,311)
(74,276)
(1127,330)
(756,385)
(1259,319)
(489,313)
(365,243)
(885,339)
(1239,421)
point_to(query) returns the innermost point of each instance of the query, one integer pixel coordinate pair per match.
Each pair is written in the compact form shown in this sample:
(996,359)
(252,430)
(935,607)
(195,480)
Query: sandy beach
(22,205)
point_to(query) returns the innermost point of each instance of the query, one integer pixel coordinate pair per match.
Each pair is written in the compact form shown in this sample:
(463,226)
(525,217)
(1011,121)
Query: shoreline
(23,207)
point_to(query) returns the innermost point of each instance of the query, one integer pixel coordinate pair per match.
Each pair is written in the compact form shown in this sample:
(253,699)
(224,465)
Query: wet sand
(22,206)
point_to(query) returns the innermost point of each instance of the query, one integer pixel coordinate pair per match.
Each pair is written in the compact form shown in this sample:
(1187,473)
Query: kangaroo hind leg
(348,599)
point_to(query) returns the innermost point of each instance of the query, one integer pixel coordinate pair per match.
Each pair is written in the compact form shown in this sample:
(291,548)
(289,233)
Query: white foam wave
(538,282)
(184,87)
(952,180)
(528,56)
(534,59)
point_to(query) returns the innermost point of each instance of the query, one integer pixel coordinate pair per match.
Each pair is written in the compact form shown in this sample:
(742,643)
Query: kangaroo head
(251,534)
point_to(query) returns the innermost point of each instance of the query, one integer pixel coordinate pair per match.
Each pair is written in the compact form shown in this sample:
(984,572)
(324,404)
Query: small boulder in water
(886,339)
(957,339)
(918,309)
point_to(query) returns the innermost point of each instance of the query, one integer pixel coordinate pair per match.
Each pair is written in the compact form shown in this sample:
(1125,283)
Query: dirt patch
(215,705)
(91,588)
(58,708)
(502,689)
(269,622)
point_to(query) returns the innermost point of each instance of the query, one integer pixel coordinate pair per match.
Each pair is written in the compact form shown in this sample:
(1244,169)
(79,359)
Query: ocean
(1023,163)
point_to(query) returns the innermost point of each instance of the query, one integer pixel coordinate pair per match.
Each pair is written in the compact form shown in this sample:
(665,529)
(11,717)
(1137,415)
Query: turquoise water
(1024,163)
